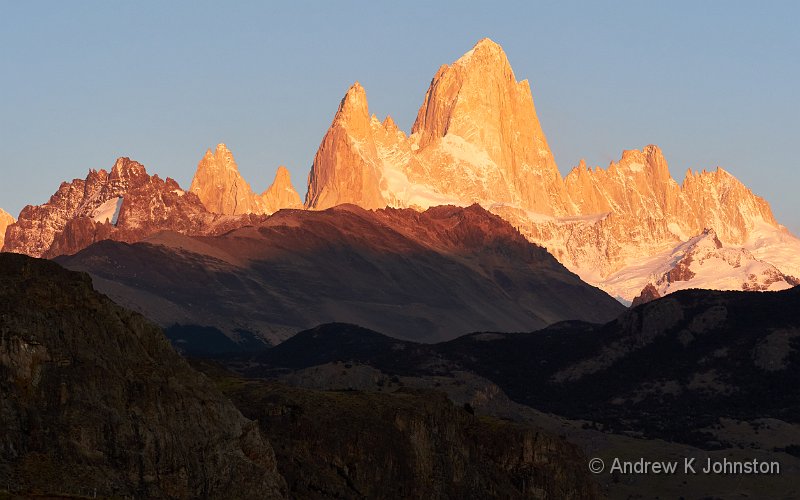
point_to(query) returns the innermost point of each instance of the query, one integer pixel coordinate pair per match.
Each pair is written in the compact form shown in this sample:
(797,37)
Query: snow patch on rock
(108,212)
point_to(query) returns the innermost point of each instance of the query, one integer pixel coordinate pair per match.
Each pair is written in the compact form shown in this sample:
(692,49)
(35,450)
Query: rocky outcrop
(125,204)
(347,168)
(223,190)
(95,401)
(220,186)
(476,139)
(409,444)
(6,219)
(648,294)
(281,193)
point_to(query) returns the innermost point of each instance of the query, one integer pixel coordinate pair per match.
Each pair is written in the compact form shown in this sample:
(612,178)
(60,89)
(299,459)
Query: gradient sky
(712,83)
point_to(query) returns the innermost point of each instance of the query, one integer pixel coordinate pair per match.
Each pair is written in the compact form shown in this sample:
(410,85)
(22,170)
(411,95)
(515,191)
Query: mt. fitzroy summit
(477,139)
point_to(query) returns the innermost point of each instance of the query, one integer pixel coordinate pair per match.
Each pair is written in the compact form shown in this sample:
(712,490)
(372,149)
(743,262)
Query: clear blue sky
(712,83)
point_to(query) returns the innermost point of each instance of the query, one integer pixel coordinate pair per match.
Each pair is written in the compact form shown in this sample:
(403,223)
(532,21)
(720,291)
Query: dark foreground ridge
(95,401)
(407,444)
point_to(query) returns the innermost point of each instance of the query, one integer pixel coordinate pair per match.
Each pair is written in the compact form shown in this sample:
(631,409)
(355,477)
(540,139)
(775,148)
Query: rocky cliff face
(125,204)
(409,444)
(476,139)
(223,190)
(6,219)
(640,188)
(281,193)
(634,209)
(95,401)
(347,168)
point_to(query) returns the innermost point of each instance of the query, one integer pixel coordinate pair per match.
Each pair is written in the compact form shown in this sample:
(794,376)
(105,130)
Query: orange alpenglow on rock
(640,186)
(223,190)
(5,220)
(476,139)
(478,118)
(124,204)
(281,193)
(347,167)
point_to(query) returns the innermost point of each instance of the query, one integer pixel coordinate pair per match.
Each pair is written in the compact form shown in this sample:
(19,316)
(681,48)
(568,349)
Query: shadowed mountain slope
(424,276)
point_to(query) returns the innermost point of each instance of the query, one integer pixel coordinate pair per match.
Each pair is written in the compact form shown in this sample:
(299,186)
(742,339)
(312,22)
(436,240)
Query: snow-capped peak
(704,262)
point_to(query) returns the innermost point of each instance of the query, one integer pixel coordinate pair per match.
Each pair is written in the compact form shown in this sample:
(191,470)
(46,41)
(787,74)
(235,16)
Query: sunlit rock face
(223,190)
(126,204)
(281,193)
(39,226)
(477,139)
(629,217)
(347,167)
(6,219)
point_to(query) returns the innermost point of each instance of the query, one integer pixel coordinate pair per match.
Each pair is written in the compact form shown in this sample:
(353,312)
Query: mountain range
(476,139)
(443,316)
(697,374)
